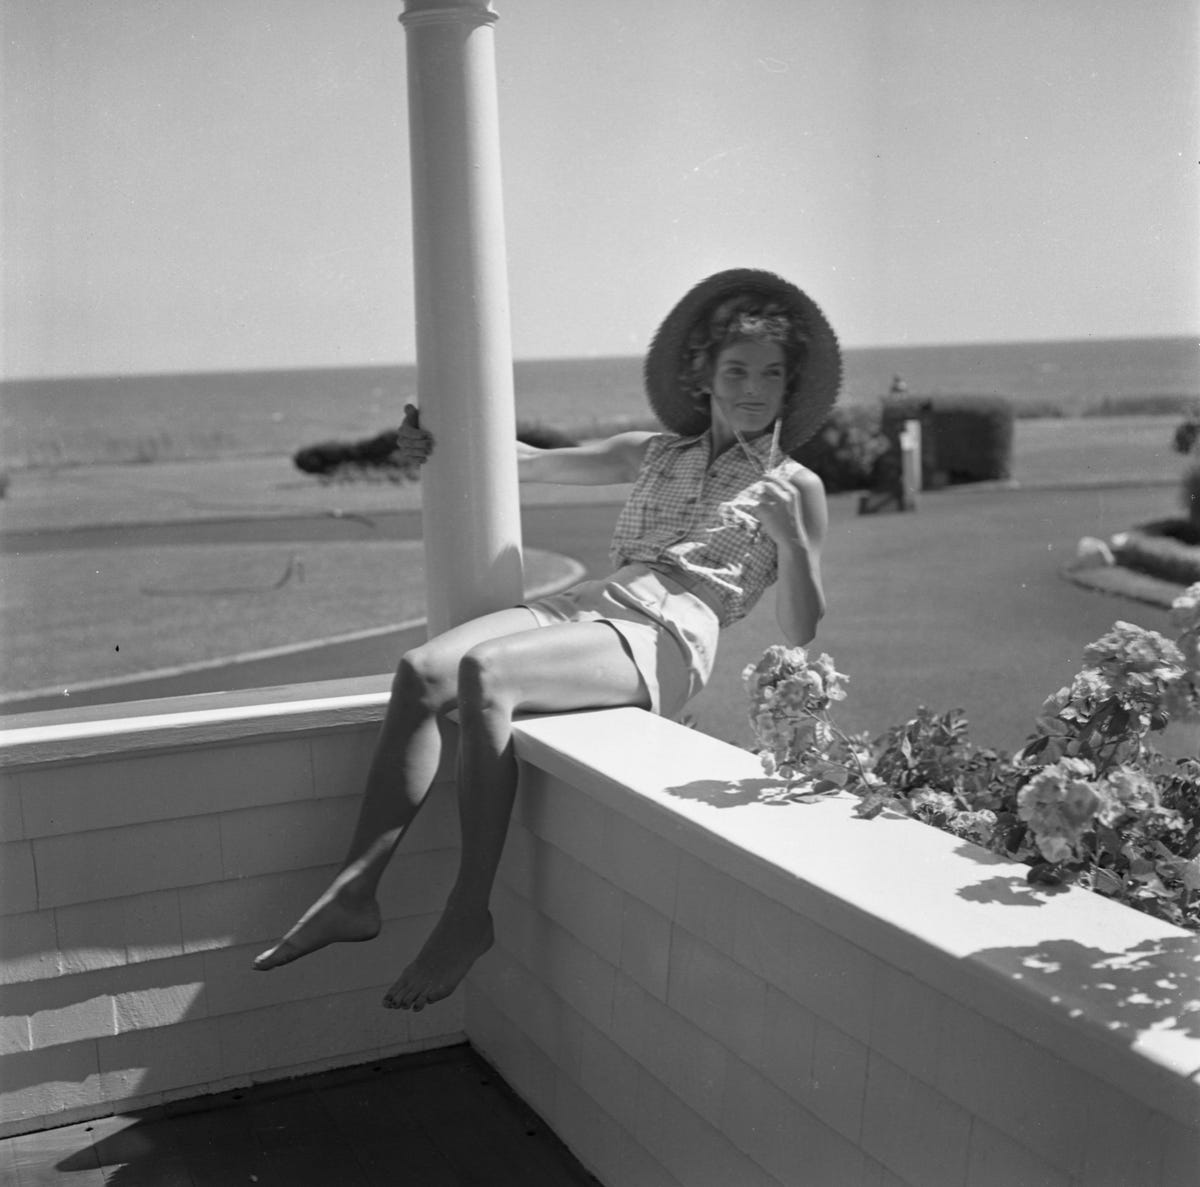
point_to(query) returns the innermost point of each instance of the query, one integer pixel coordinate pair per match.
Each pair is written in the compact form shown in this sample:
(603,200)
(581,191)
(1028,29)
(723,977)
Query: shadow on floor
(438,1119)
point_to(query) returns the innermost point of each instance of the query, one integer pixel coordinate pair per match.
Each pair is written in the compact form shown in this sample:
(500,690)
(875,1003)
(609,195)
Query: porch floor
(439,1119)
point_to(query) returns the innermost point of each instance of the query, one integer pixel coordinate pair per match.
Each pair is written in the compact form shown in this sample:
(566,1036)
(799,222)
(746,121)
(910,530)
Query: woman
(743,370)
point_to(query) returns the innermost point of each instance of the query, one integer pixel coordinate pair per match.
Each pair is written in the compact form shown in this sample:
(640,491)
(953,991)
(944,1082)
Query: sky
(225,185)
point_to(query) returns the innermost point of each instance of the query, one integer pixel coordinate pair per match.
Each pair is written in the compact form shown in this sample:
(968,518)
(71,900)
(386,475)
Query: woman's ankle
(469,903)
(354,889)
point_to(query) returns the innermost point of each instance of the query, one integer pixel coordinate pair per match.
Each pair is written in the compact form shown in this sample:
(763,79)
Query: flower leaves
(1086,800)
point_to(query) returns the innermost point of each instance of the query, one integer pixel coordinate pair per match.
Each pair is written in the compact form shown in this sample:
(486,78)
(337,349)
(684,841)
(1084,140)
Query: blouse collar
(759,447)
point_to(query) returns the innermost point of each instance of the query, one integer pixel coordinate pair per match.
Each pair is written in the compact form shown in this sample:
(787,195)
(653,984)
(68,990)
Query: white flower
(1185,610)
(1123,790)
(925,801)
(1060,804)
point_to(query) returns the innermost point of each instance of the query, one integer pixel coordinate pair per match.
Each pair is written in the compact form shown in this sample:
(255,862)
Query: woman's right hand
(413,443)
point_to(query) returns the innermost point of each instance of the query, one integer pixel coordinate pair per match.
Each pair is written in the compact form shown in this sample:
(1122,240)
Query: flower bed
(1167,548)
(1087,800)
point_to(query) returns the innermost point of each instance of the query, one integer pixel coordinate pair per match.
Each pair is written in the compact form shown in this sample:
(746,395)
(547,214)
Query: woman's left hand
(413,443)
(780,510)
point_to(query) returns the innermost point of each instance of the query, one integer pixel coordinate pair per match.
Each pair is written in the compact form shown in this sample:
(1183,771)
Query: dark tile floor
(439,1119)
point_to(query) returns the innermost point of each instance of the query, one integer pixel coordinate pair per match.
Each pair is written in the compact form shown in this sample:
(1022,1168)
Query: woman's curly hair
(744,318)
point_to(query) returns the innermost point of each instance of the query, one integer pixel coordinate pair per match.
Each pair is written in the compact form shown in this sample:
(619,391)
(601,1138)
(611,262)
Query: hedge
(964,438)
(1187,434)
(375,453)
(1161,549)
(847,451)
(327,456)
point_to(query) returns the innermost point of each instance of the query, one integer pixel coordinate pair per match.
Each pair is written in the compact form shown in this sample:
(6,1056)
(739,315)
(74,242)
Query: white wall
(697,983)
(138,885)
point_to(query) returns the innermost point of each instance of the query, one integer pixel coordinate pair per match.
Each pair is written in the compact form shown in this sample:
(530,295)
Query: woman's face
(749,381)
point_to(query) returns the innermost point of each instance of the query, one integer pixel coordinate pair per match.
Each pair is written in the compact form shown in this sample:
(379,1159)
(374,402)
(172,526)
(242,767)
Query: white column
(471,510)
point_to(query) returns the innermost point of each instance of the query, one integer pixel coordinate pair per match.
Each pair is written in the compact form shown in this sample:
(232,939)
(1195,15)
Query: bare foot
(458,940)
(334,917)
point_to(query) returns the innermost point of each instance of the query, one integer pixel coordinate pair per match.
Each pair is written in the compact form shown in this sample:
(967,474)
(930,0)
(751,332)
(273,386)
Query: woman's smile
(748,386)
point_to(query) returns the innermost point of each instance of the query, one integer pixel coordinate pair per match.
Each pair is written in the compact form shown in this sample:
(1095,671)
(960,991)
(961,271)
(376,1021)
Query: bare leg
(574,666)
(402,771)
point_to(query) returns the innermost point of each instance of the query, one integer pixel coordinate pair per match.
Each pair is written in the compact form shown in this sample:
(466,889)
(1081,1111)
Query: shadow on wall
(735,793)
(1009,889)
(1153,986)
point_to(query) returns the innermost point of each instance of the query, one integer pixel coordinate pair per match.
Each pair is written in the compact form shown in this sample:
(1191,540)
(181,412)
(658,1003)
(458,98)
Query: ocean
(141,418)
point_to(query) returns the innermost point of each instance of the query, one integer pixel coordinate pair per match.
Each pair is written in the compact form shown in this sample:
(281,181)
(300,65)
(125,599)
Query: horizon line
(551,358)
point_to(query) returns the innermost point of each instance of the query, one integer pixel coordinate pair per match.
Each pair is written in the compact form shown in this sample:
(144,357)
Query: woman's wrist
(796,547)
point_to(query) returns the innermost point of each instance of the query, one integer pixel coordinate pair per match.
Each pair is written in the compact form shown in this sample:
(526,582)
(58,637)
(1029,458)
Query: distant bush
(609,426)
(845,453)
(543,436)
(327,457)
(1161,404)
(1167,549)
(1187,432)
(964,438)
(376,454)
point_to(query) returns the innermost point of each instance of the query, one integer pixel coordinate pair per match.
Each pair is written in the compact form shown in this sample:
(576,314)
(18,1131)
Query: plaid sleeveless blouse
(686,515)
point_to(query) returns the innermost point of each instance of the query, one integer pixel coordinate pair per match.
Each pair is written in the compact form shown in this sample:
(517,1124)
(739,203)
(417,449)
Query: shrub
(609,426)
(846,451)
(1182,531)
(543,436)
(964,438)
(376,454)
(1187,433)
(1088,799)
(1166,549)
(327,457)
(1159,557)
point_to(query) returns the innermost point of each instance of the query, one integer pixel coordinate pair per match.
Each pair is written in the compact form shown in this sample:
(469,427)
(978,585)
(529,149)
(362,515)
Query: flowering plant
(1187,432)
(1088,799)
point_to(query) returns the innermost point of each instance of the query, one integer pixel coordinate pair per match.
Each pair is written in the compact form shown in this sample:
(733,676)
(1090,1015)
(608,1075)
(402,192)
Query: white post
(910,464)
(471,512)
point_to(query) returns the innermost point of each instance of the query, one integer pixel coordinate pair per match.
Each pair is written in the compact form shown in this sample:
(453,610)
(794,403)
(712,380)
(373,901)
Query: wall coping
(1113,991)
(96,731)
(1109,989)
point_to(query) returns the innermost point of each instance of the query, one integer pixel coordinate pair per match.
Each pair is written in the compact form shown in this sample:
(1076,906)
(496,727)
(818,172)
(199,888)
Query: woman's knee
(485,677)
(427,677)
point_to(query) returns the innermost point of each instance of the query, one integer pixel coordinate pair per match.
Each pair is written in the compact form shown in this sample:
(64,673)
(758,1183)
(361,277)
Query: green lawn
(93,614)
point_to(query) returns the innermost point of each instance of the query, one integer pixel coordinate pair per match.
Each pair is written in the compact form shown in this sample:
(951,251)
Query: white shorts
(670,632)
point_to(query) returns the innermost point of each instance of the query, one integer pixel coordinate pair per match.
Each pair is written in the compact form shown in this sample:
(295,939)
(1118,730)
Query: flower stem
(862,772)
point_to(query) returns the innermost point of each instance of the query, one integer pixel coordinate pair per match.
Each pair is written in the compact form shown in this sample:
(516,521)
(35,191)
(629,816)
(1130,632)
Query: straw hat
(669,369)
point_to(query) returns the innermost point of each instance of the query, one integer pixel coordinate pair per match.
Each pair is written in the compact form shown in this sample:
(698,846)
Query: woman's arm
(614,459)
(794,514)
